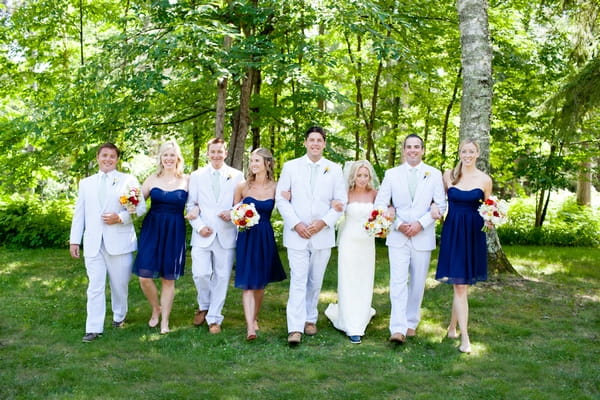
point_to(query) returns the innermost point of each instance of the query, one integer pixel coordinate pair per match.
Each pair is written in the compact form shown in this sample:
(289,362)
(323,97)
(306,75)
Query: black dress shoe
(90,337)
(118,324)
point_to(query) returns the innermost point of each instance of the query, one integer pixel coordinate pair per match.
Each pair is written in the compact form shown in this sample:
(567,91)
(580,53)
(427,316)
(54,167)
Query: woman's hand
(192,213)
(286,194)
(337,205)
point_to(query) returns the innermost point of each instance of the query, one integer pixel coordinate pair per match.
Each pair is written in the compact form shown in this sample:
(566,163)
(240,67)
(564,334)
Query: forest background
(76,73)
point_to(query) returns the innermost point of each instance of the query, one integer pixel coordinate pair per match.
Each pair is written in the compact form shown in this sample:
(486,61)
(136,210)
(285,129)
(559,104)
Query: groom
(108,237)
(309,228)
(410,188)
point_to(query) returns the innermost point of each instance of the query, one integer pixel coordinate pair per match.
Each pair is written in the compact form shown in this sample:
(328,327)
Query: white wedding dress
(356,273)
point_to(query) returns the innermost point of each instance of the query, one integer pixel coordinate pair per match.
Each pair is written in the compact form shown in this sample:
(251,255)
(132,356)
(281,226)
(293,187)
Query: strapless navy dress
(161,245)
(257,261)
(463,250)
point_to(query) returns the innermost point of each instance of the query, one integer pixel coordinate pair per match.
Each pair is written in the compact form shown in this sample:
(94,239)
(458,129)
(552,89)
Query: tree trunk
(221,98)
(584,183)
(237,142)
(476,105)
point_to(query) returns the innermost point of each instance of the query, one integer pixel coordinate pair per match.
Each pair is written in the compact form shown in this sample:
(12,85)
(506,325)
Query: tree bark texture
(476,104)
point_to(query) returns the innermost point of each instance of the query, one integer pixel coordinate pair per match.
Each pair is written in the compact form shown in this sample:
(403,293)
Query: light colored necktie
(216,184)
(102,188)
(313,175)
(412,182)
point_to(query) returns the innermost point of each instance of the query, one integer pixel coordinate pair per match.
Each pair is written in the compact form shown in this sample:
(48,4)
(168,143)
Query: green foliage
(567,225)
(30,222)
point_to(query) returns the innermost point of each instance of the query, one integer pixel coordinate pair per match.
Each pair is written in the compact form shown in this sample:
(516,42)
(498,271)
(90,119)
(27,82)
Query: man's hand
(74,250)
(302,229)
(411,229)
(206,231)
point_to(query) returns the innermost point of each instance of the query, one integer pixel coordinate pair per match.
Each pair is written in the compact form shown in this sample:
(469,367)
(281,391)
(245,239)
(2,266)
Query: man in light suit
(309,228)
(410,188)
(213,237)
(109,239)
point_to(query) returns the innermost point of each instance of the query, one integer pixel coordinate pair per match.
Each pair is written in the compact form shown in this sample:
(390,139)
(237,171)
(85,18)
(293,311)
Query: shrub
(567,224)
(30,222)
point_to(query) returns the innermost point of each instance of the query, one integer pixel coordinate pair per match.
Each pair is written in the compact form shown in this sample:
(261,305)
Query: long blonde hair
(269,165)
(456,172)
(356,165)
(168,145)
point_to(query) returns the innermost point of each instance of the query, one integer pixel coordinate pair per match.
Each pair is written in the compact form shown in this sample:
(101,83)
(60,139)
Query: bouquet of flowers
(244,216)
(378,225)
(494,211)
(130,198)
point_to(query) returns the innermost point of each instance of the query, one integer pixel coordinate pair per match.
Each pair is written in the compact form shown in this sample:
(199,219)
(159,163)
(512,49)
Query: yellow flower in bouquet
(130,198)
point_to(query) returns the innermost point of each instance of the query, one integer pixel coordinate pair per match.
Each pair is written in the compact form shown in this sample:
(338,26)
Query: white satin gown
(356,273)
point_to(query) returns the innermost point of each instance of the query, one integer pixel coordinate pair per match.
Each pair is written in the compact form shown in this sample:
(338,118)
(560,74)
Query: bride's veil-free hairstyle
(350,168)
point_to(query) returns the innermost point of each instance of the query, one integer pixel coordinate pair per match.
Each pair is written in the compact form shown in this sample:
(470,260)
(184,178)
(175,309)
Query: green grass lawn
(535,337)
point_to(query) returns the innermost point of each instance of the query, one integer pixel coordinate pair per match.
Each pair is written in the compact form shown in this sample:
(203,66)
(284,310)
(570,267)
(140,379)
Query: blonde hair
(456,172)
(170,145)
(269,165)
(356,165)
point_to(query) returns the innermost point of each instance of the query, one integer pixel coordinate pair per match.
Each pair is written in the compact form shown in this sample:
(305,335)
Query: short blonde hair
(170,145)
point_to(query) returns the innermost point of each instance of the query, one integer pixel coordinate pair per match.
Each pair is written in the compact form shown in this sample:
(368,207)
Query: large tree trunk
(476,105)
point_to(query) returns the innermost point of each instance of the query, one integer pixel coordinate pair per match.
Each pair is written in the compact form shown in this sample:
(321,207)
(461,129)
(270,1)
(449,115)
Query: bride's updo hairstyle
(456,173)
(356,165)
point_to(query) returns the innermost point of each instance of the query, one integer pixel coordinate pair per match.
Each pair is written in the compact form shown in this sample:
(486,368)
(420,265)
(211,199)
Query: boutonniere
(228,177)
(326,170)
(426,175)
(115,181)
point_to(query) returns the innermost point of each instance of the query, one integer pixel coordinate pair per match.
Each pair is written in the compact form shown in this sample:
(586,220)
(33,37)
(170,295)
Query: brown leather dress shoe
(214,329)
(310,329)
(397,337)
(411,332)
(200,317)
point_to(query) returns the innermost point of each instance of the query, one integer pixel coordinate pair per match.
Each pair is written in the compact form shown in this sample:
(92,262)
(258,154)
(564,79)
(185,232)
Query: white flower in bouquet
(378,225)
(244,216)
(493,211)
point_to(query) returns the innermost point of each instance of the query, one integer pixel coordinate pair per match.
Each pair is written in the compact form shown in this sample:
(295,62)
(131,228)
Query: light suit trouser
(307,269)
(406,295)
(118,268)
(211,270)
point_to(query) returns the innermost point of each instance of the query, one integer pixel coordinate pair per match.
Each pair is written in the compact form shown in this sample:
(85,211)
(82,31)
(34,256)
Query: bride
(356,255)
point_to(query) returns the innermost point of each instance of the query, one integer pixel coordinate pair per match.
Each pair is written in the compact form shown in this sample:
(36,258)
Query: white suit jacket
(308,205)
(394,190)
(87,217)
(201,194)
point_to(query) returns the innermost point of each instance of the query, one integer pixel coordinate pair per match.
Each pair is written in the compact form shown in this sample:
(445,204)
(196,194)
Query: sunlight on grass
(538,266)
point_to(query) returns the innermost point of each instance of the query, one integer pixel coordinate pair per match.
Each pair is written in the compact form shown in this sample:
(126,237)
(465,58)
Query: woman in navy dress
(462,259)
(257,259)
(161,249)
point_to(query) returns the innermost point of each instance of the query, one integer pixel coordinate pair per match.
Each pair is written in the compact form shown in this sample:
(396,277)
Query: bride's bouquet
(130,198)
(494,211)
(378,225)
(244,216)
